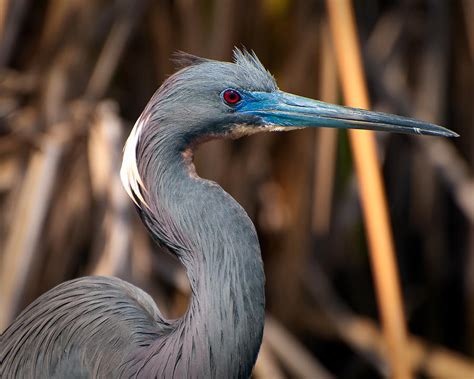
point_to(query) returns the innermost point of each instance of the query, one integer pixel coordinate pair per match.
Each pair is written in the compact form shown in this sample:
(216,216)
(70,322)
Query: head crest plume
(241,57)
(245,58)
(252,70)
(182,59)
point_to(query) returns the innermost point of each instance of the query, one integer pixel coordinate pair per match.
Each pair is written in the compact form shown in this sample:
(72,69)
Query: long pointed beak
(287,110)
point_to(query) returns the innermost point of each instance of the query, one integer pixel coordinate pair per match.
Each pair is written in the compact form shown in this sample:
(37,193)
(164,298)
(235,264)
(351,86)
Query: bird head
(209,99)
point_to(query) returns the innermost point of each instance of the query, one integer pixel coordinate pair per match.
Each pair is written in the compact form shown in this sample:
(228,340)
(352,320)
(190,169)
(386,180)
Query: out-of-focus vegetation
(75,75)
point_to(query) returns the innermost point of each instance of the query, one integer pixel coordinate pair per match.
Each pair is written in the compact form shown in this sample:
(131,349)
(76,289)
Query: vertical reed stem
(382,253)
(3,17)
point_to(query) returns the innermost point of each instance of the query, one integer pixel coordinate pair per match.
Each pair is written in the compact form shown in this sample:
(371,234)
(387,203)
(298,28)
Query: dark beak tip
(450,134)
(443,132)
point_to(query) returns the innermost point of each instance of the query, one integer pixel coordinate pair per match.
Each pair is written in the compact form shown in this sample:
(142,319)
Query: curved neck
(211,234)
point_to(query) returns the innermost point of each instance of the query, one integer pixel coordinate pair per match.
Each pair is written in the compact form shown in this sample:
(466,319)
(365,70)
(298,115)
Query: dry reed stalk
(294,356)
(468,12)
(25,233)
(161,31)
(384,267)
(326,141)
(430,103)
(266,366)
(68,224)
(57,18)
(114,47)
(9,172)
(114,255)
(435,361)
(109,58)
(454,170)
(223,27)
(286,197)
(105,151)
(10,27)
(364,336)
(469,289)
(192,24)
(3,17)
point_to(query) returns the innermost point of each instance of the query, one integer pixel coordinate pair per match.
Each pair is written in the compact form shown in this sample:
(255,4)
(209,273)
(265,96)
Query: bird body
(105,327)
(82,328)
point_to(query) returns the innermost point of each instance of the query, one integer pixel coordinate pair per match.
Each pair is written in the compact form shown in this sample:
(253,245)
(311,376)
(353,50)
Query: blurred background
(74,77)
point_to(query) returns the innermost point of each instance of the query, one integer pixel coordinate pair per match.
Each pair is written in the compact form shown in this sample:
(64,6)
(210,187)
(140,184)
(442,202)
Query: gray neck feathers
(211,234)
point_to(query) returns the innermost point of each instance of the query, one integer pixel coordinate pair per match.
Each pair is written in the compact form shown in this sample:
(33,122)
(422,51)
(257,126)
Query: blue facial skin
(283,109)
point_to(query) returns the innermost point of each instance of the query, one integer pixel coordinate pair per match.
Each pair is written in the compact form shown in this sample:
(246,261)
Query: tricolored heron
(105,327)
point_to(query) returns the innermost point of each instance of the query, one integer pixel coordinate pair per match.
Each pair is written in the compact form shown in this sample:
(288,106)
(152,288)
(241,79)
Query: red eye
(231,96)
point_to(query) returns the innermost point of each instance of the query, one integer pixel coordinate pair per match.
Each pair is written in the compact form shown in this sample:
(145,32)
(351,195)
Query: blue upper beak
(283,109)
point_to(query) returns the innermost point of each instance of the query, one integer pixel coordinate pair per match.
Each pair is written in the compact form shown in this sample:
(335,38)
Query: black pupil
(232,96)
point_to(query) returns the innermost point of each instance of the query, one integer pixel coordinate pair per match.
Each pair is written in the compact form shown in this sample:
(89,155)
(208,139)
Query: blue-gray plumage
(105,327)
